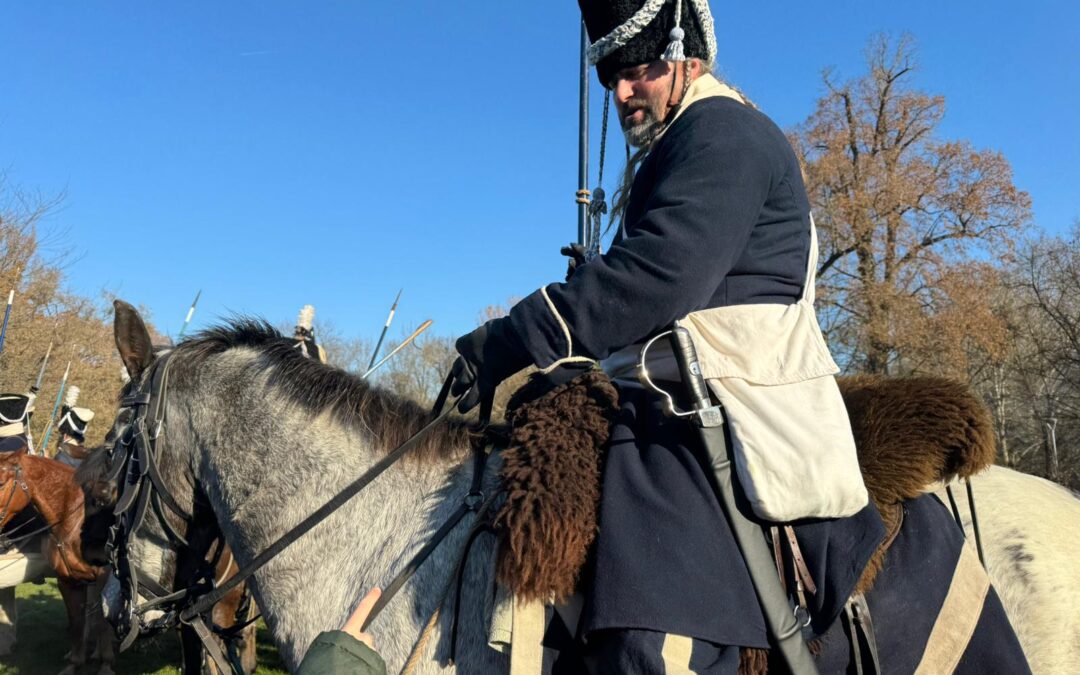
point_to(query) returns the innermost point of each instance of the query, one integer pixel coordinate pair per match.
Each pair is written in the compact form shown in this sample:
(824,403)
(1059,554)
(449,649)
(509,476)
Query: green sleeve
(334,651)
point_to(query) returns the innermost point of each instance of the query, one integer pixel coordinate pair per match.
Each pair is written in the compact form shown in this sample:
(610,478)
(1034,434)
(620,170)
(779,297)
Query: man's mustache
(632,107)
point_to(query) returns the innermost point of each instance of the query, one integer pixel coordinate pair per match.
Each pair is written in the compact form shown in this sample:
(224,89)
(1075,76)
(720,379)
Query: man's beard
(644,132)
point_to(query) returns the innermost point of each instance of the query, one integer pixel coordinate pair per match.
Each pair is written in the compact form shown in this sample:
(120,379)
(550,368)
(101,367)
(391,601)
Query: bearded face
(642,98)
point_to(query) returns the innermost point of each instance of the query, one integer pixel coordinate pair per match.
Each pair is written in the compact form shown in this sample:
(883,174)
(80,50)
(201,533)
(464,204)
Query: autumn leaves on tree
(907,220)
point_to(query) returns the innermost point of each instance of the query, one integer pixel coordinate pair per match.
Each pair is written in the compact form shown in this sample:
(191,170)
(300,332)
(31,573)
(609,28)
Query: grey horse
(265,436)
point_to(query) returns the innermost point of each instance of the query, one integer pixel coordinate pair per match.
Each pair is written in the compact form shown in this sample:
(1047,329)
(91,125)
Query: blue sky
(279,153)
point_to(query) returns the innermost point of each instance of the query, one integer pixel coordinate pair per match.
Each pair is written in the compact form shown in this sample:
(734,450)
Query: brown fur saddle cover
(910,433)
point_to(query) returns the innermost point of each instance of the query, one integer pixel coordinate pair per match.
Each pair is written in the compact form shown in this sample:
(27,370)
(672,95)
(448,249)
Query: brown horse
(235,609)
(50,488)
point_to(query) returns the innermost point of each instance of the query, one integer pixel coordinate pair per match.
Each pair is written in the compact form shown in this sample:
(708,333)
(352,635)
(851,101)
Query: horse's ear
(132,339)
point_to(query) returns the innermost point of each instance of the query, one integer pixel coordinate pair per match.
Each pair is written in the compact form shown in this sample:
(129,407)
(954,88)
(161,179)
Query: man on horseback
(715,234)
(717,217)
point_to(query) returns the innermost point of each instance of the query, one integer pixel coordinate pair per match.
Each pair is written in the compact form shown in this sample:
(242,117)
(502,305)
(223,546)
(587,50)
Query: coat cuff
(541,328)
(331,641)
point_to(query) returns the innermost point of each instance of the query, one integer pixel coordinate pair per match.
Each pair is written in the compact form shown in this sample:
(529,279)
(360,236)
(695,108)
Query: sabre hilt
(707,413)
(689,369)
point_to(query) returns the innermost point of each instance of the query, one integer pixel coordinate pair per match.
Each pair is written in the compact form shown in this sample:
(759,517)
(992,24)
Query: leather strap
(802,572)
(211,645)
(861,634)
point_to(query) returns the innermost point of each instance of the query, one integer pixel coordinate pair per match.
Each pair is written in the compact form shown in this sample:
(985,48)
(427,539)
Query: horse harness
(12,538)
(7,541)
(134,455)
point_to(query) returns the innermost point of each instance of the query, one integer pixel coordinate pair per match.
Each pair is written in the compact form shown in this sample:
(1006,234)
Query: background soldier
(15,410)
(72,427)
(305,335)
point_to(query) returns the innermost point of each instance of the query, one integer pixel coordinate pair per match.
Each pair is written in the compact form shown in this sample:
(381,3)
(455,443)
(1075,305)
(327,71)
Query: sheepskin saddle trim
(910,433)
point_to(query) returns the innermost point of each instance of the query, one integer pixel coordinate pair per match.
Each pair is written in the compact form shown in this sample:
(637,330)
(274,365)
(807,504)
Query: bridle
(8,540)
(138,439)
(141,493)
(17,483)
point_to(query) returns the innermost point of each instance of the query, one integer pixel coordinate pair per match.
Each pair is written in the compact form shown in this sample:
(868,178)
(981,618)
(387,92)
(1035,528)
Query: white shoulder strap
(811,265)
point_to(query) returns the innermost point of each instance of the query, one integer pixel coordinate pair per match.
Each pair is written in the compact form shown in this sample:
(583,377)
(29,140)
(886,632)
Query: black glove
(488,355)
(577,255)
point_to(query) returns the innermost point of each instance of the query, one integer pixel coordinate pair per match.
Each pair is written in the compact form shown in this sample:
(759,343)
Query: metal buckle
(473,500)
(804,611)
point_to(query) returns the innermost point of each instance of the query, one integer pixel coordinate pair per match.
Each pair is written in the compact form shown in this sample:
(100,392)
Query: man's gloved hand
(577,255)
(488,355)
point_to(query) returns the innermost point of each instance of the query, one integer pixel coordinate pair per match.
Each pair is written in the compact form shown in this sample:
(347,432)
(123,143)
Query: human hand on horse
(488,355)
(355,623)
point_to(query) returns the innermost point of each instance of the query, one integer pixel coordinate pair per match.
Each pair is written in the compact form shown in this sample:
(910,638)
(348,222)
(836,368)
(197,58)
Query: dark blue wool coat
(718,216)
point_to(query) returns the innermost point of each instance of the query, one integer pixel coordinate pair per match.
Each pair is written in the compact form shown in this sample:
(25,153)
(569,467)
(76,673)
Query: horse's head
(140,499)
(100,494)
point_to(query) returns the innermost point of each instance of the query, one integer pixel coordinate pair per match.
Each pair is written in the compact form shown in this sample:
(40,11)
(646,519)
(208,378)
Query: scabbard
(783,626)
(780,620)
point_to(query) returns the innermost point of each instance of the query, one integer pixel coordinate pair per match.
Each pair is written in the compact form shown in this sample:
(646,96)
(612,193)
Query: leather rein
(134,457)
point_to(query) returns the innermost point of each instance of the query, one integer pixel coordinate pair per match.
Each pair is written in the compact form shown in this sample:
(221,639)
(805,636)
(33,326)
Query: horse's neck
(259,493)
(56,497)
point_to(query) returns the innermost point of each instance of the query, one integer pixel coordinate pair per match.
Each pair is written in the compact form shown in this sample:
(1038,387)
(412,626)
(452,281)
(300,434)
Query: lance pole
(190,313)
(382,336)
(56,406)
(583,143)
(34,389)
(405,343)
(7,315)
(41,372)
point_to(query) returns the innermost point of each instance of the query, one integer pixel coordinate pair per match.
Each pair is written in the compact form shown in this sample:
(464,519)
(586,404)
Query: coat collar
(706,86)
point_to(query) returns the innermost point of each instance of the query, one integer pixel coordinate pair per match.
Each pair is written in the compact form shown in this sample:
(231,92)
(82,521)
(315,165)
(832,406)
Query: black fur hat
(602,17)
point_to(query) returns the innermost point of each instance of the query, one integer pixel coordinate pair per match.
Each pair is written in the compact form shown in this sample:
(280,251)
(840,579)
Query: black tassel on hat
(624,35)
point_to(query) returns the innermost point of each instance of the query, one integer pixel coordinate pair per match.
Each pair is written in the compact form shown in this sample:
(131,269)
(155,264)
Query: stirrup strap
(861,634)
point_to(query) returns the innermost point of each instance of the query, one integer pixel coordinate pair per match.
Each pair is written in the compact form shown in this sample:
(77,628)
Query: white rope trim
(559,319)
(619,37)
(569,358)
(704,17)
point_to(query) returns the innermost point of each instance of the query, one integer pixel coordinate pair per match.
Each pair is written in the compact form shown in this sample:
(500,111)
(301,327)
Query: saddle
(910,433)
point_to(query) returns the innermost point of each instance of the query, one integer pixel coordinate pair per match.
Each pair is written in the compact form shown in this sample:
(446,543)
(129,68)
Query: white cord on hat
(674,51)
(621,35)
(618,38)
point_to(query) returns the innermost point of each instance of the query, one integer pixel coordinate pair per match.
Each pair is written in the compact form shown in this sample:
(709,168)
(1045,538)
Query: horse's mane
(320,389)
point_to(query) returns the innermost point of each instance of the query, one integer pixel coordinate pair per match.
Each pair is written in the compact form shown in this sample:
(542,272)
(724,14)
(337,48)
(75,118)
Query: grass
(43,642)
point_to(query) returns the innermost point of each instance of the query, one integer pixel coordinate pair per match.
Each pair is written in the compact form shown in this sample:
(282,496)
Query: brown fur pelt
(913,432)
(910,433)
(551,477)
